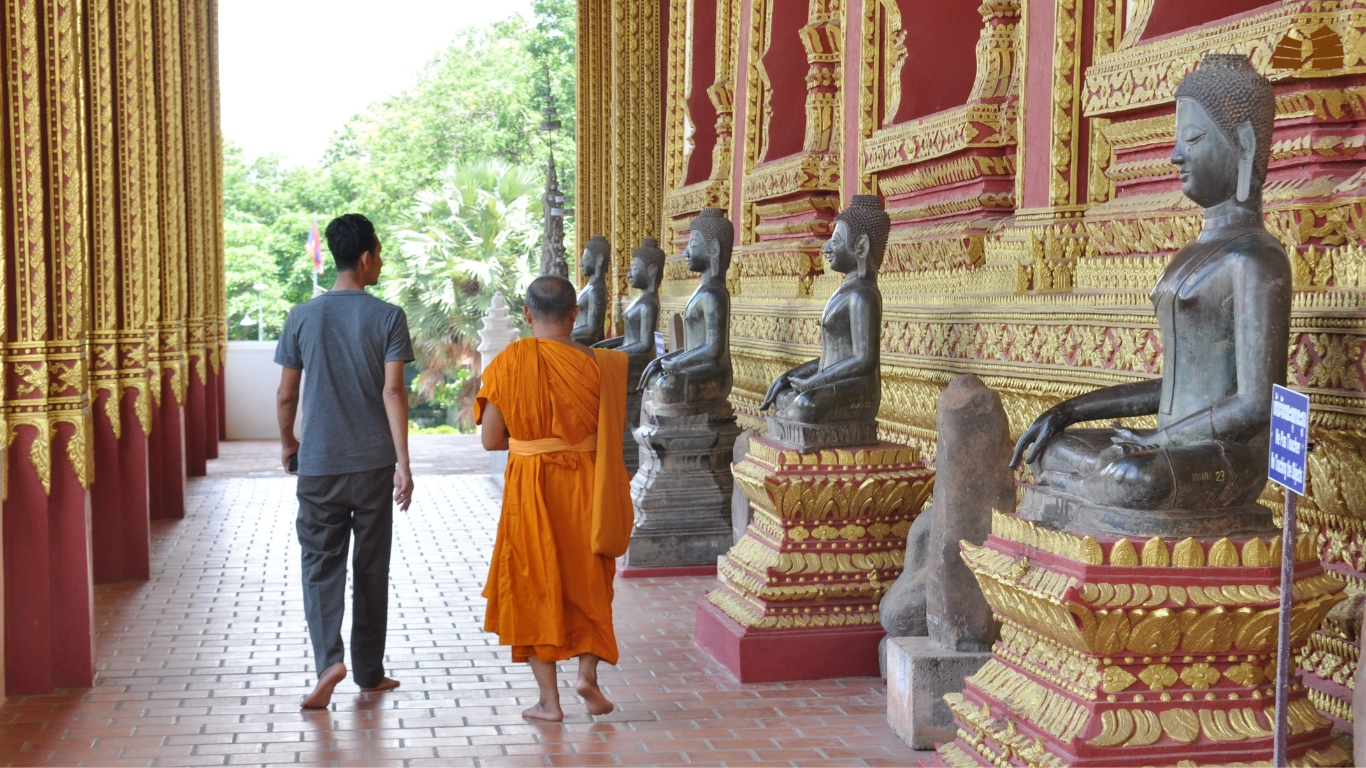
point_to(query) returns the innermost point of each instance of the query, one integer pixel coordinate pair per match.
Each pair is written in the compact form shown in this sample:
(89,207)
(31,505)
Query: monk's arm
(494,431)
(396,408)
(286,407)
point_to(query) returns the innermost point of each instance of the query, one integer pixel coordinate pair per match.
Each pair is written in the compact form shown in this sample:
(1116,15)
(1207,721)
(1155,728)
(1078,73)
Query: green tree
(474,234)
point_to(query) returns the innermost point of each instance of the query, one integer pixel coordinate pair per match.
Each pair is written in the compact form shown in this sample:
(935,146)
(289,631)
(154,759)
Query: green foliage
(475,234)
(450,171)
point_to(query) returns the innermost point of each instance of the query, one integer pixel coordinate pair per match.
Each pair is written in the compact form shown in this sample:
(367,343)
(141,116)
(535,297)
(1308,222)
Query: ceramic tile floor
(205,663)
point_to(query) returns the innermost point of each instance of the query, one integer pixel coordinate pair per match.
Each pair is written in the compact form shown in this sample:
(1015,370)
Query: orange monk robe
(566,503)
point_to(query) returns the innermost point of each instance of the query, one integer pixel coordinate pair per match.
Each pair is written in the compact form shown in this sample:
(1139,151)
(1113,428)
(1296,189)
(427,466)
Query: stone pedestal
(1151,651)
(800,590)
(683,487)
(919,674)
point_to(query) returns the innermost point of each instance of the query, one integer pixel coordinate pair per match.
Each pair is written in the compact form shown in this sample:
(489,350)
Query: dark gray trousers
(331,508)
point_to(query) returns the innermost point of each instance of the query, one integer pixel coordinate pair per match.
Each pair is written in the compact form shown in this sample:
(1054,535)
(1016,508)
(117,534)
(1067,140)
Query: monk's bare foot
(550,713)
(387,684)
(322,692)
(592,697)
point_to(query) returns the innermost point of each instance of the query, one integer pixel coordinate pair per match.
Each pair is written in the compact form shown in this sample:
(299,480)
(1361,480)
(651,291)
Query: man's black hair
(551,298)
(348,236)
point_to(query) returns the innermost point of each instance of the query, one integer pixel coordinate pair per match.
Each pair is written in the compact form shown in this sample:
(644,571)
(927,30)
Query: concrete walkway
(205,663)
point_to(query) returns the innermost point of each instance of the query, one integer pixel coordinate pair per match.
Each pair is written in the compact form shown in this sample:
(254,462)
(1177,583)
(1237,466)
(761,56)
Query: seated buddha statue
(833,401)
(588,329)
(642,316)
(700,372)
(1223,311)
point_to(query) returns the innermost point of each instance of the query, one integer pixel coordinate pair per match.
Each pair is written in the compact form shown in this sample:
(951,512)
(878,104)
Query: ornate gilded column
(46,401)
(593,97)
(119,337)
(216,304)
(180,325)
(620,130)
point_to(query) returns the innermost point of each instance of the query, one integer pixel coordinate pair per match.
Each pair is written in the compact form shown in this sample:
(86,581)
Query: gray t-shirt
(342,339)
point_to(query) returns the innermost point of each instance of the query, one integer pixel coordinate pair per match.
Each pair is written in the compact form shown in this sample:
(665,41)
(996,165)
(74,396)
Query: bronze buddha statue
(642,316)
(594,263)
(833,401)
(1223,310)
(700,373)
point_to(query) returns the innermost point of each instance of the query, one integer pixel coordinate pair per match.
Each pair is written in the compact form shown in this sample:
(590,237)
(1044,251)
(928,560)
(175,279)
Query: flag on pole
(314,247)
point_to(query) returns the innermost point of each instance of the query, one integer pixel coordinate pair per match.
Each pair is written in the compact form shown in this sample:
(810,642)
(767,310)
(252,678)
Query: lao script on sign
(1289,438)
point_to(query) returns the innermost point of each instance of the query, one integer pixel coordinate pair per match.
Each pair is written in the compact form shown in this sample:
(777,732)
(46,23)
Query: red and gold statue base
(799,592)
(1133,653)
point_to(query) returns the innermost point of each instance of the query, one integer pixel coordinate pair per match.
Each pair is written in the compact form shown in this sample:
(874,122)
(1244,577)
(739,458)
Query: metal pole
(1283,660)
(260,318)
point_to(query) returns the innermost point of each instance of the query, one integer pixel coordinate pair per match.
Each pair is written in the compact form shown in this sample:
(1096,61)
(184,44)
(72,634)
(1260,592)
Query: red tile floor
(205,663)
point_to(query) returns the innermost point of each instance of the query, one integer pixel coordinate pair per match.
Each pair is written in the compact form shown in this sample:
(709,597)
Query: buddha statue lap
(1223,310)
(594,264)
(833,401)
(698,376)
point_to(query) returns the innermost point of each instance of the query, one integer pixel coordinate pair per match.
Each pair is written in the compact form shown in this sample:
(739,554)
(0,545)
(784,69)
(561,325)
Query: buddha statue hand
(1138,441)
(653,370)
(796,379)
(778,385)
(1048,426)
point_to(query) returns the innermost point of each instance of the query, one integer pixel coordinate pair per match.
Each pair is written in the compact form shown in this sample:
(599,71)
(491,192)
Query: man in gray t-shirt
(353,461)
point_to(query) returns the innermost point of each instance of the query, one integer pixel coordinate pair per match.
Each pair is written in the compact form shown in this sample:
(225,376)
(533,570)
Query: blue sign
(1289,438)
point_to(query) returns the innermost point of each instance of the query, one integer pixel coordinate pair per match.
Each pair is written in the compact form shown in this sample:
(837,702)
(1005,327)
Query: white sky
(294,71)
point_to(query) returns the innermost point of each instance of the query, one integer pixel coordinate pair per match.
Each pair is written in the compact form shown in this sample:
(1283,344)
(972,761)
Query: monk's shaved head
(551,299)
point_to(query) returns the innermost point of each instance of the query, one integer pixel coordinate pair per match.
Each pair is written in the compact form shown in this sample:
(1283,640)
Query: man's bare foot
(592,697)
(387,684)
(550,713)
(322,692)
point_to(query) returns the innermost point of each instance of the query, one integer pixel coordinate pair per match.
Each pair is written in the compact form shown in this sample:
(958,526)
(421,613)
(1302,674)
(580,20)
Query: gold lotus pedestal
(800,590)
(1147,652)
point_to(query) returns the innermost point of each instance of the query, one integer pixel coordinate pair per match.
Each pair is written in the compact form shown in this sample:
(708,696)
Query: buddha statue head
(1225,111)
(595,255)
(647,266)
(860,237)
(709,242)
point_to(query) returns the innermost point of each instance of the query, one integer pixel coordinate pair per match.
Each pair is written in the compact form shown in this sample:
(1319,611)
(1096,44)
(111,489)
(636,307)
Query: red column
(106,496)
(156,504)
(171,472)
(196,420)
(132,464)
(222,400)
(48,622)
(211,414)
(73,637)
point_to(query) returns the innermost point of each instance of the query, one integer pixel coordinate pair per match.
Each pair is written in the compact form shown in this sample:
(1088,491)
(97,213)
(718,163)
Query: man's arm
(286,407)
(493,430)
(396,406)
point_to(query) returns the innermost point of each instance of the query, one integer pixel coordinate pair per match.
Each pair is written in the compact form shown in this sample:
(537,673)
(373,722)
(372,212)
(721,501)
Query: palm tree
(473,235)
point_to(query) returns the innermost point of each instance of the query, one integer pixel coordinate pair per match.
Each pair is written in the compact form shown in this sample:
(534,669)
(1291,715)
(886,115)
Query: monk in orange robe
(558,408)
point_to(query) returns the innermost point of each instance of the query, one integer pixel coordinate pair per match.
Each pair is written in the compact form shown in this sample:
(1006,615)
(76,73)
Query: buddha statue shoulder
(1223,311)
(594,265)
(700,372)
(642,316)
(833,401)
